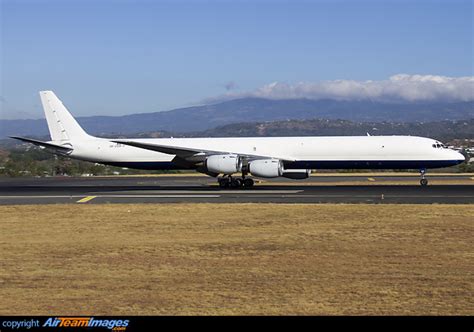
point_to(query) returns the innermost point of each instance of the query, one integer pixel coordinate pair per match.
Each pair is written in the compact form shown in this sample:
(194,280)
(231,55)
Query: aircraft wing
(60,148)
(190,153)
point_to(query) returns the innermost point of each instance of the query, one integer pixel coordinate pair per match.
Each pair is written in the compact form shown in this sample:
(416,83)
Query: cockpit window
(439,146)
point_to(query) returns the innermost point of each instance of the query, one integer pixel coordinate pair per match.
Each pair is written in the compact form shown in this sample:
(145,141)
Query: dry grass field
(237,259)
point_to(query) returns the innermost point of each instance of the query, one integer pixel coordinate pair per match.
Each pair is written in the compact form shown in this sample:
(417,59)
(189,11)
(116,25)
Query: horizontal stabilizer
(61,148)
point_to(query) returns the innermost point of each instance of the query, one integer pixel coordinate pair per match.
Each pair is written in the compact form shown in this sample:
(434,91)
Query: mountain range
(444,131)
(205,117)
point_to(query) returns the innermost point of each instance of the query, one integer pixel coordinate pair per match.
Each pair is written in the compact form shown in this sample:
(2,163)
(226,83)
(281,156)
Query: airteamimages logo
(111,324)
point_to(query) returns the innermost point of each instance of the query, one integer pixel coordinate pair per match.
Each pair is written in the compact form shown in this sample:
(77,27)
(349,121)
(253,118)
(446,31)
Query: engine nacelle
(224,164)
(297,174)
(266,168)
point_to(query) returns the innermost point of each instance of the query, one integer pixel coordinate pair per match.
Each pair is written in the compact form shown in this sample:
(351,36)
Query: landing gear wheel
(230,182)
(423,181)
(236,183)
(248,183)
(223,183)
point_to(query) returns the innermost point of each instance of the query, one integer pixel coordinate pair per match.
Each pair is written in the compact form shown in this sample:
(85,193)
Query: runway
(176,189)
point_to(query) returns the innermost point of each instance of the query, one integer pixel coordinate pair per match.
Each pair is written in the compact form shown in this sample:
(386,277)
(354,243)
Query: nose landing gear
(423,181)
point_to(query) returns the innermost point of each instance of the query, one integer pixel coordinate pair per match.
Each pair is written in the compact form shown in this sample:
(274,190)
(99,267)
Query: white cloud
(401,87)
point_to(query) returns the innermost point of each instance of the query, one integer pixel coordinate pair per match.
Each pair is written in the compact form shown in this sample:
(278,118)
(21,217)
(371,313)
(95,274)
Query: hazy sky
(120,57)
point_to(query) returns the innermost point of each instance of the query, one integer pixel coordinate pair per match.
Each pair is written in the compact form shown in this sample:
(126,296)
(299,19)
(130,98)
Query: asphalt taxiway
(452,189)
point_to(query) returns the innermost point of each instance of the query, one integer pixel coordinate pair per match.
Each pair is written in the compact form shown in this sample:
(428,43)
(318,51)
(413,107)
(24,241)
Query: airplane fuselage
(333,152)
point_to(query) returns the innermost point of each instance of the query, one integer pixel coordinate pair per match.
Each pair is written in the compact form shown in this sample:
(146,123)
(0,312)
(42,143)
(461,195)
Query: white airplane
(264,157)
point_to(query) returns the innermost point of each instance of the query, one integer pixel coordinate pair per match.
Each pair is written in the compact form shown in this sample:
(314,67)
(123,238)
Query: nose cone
(459,157)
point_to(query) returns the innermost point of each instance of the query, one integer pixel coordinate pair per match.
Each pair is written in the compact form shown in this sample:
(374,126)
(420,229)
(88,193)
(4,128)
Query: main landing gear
(423,181)
(228,181)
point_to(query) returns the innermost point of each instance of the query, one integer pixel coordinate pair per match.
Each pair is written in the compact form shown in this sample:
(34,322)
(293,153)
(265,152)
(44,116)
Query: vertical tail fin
(62,126)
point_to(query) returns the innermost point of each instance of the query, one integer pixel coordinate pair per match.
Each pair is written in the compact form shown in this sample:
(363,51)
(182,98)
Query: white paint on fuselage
(336,148)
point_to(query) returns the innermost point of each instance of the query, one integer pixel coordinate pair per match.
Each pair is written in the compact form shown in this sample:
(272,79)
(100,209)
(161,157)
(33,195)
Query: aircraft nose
(460,157)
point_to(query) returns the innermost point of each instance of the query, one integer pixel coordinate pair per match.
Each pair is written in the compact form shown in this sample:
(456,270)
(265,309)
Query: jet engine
(297,174)
(266,168)
(224,164)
